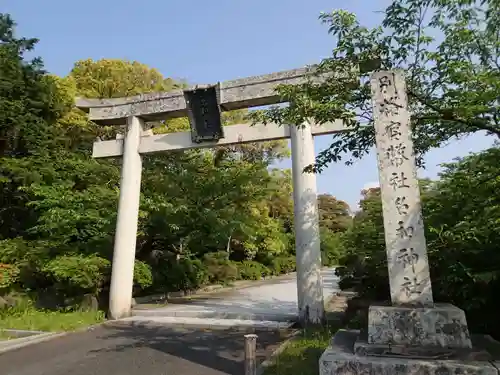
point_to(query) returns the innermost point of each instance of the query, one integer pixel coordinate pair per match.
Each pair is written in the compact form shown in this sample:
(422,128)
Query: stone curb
(152,313)
(25,341)
(46,336)
(269,361)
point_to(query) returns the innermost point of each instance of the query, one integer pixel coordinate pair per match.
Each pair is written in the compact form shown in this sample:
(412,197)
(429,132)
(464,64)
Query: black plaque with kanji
(204,114)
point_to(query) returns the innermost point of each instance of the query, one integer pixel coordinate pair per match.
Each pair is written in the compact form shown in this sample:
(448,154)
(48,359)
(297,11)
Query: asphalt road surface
(139,349)
(273,299)
(143,346)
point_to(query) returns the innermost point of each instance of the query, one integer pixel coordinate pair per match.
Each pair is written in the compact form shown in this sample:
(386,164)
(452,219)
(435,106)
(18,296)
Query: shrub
(251,270)
(462,223)
(220,269)
(194,274)
(283,265)
(183,274)
(332,247)
(77,273)
(143,276)
(9,275)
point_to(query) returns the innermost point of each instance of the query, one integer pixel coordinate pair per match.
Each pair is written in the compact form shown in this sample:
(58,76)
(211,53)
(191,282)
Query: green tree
(28,110)
(35,224)
(27,101)
(334,214)
(114,78)
(205,215)
(450,52)
(58,205)
(199,201)
(462,218)
(364,262)
(462,213)
(281,200)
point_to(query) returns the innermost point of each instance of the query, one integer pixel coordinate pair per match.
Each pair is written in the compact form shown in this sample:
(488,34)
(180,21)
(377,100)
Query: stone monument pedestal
(442,325)
(407,340)
(339,358)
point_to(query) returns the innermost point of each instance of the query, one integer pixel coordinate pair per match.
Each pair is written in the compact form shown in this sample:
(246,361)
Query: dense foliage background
(462,223)
(206,216)
(213,216)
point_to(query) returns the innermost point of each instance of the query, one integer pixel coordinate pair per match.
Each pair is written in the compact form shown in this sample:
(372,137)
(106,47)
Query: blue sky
(206,42)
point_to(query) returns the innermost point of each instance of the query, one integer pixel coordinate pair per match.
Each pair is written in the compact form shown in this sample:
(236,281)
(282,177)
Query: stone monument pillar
(407,335)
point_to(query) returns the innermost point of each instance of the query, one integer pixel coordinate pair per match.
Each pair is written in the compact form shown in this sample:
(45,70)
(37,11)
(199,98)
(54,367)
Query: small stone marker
(408,265)
(250,354)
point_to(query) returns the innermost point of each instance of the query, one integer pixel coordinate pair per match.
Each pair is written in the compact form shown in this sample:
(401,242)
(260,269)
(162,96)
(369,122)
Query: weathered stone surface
(362,348)
(89,302)
(234,94)
(234,134)
(339,359)
(443,326)
(409,276)
(413,336)
(497,365)
(240,83)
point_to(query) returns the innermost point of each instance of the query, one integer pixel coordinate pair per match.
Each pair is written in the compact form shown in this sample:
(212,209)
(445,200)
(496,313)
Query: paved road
(272,300)
(125,349)
(144,346)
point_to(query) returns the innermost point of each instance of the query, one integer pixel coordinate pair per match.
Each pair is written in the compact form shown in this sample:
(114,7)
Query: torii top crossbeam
(235,94)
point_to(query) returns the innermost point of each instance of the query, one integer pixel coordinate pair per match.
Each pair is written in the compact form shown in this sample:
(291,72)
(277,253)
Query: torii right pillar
(306,223)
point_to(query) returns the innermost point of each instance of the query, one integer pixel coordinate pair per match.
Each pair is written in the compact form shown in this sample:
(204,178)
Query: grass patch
(301,355)
(40,320)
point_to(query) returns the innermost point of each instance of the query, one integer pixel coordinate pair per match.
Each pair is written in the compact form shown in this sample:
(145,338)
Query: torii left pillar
(122,273)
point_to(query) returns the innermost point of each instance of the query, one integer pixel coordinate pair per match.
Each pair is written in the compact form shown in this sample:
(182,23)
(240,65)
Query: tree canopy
(449,50)
(461,217)
(335,215)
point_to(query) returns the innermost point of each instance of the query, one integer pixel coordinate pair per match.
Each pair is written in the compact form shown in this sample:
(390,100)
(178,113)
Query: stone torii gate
(236,94)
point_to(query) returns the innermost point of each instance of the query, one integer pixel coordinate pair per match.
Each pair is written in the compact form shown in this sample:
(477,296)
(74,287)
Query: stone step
(214,314)
(208,323)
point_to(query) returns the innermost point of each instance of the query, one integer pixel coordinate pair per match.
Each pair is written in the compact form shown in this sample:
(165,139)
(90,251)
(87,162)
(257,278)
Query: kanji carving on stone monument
(404,231)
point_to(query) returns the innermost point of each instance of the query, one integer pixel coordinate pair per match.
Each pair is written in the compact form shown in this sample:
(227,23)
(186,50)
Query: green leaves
(335,215)
(462,223)
(205,215)
(78,272)
(9,275)
(450,50)
(143,276)
(114,78)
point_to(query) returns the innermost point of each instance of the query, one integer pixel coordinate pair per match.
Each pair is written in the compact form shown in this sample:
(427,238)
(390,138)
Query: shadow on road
(217,349)
(121,348)
(134,348)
